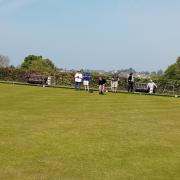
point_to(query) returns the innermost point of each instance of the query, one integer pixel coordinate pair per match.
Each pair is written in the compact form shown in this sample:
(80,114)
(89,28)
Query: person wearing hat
(130,82)
(151,86)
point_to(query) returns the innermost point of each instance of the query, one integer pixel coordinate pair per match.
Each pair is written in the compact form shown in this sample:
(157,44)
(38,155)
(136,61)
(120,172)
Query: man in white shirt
(78,79)
(151,86)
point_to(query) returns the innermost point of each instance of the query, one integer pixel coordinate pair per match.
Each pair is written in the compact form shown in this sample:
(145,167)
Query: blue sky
(94,34)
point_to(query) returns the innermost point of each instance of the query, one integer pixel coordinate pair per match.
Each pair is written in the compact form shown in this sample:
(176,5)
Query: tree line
(38,64)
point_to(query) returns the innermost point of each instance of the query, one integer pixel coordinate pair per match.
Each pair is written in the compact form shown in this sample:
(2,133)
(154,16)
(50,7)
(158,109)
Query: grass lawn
(49,134)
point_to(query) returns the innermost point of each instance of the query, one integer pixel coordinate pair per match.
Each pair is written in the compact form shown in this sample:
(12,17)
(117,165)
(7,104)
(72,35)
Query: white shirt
(151,86)
(78,77)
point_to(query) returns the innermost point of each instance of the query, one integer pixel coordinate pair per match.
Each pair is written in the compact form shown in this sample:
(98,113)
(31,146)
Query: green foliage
(173,71)
(38,64)
(12,74)
(94,73)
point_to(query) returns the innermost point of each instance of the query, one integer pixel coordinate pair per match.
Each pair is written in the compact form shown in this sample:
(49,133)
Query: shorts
(86,83)
(114,84)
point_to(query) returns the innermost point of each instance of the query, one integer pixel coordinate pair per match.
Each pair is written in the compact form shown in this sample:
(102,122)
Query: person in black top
(130,82)
(102,83)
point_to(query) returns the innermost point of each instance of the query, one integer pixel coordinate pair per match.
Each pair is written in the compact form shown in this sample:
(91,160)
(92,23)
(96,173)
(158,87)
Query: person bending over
(151,86)
(102,83)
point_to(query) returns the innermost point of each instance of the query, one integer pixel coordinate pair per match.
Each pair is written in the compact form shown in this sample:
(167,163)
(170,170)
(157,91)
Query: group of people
(85,78)
(151,86)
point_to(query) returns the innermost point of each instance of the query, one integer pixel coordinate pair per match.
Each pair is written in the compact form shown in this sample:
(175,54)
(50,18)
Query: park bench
(37,79)
(141,87)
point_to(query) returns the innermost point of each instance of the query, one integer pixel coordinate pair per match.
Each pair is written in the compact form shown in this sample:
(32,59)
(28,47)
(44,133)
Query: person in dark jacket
(102,83)
(130,82)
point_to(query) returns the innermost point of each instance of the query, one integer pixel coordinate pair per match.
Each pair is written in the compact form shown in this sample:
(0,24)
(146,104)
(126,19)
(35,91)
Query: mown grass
(67,135)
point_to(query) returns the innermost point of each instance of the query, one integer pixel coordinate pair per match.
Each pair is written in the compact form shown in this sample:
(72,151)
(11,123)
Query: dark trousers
(130,86)
(77,85)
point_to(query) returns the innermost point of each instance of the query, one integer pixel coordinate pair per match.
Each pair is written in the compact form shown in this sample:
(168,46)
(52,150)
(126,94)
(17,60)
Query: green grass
(49,134)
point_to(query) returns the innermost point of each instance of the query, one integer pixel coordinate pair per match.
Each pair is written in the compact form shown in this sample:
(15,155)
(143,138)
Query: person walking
(86,79)
(114,82)
(151,86)
(78,79)
(130,82)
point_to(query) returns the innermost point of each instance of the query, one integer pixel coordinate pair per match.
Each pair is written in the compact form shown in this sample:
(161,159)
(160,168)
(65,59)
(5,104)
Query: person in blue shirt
(86,79)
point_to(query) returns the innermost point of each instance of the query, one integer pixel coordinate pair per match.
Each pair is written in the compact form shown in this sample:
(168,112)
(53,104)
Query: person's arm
(132,80)
(148,86)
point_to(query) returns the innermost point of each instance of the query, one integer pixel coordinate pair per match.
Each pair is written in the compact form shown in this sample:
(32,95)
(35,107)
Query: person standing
(102,83)
(86,78)
(130,82)
(114,82)
(151,86)
(78,79)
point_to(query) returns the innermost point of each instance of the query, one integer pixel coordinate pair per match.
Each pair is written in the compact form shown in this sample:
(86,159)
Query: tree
(173,71)
(50,63)
(4,61)
(28,61)
(38,64)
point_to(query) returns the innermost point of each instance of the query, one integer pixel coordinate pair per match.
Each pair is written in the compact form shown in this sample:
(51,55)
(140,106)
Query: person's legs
(115,87)
(88,88)
(85,87)
(151,91)
(112,88)
(76,85)
(100,89)
(84,83)
(103,88)
(115,90)
(131,86)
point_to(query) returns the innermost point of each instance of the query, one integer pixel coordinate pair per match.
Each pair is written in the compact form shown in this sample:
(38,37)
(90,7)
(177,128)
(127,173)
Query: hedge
(165,86)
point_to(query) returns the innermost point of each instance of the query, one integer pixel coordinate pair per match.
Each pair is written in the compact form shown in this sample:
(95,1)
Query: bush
(67,79)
